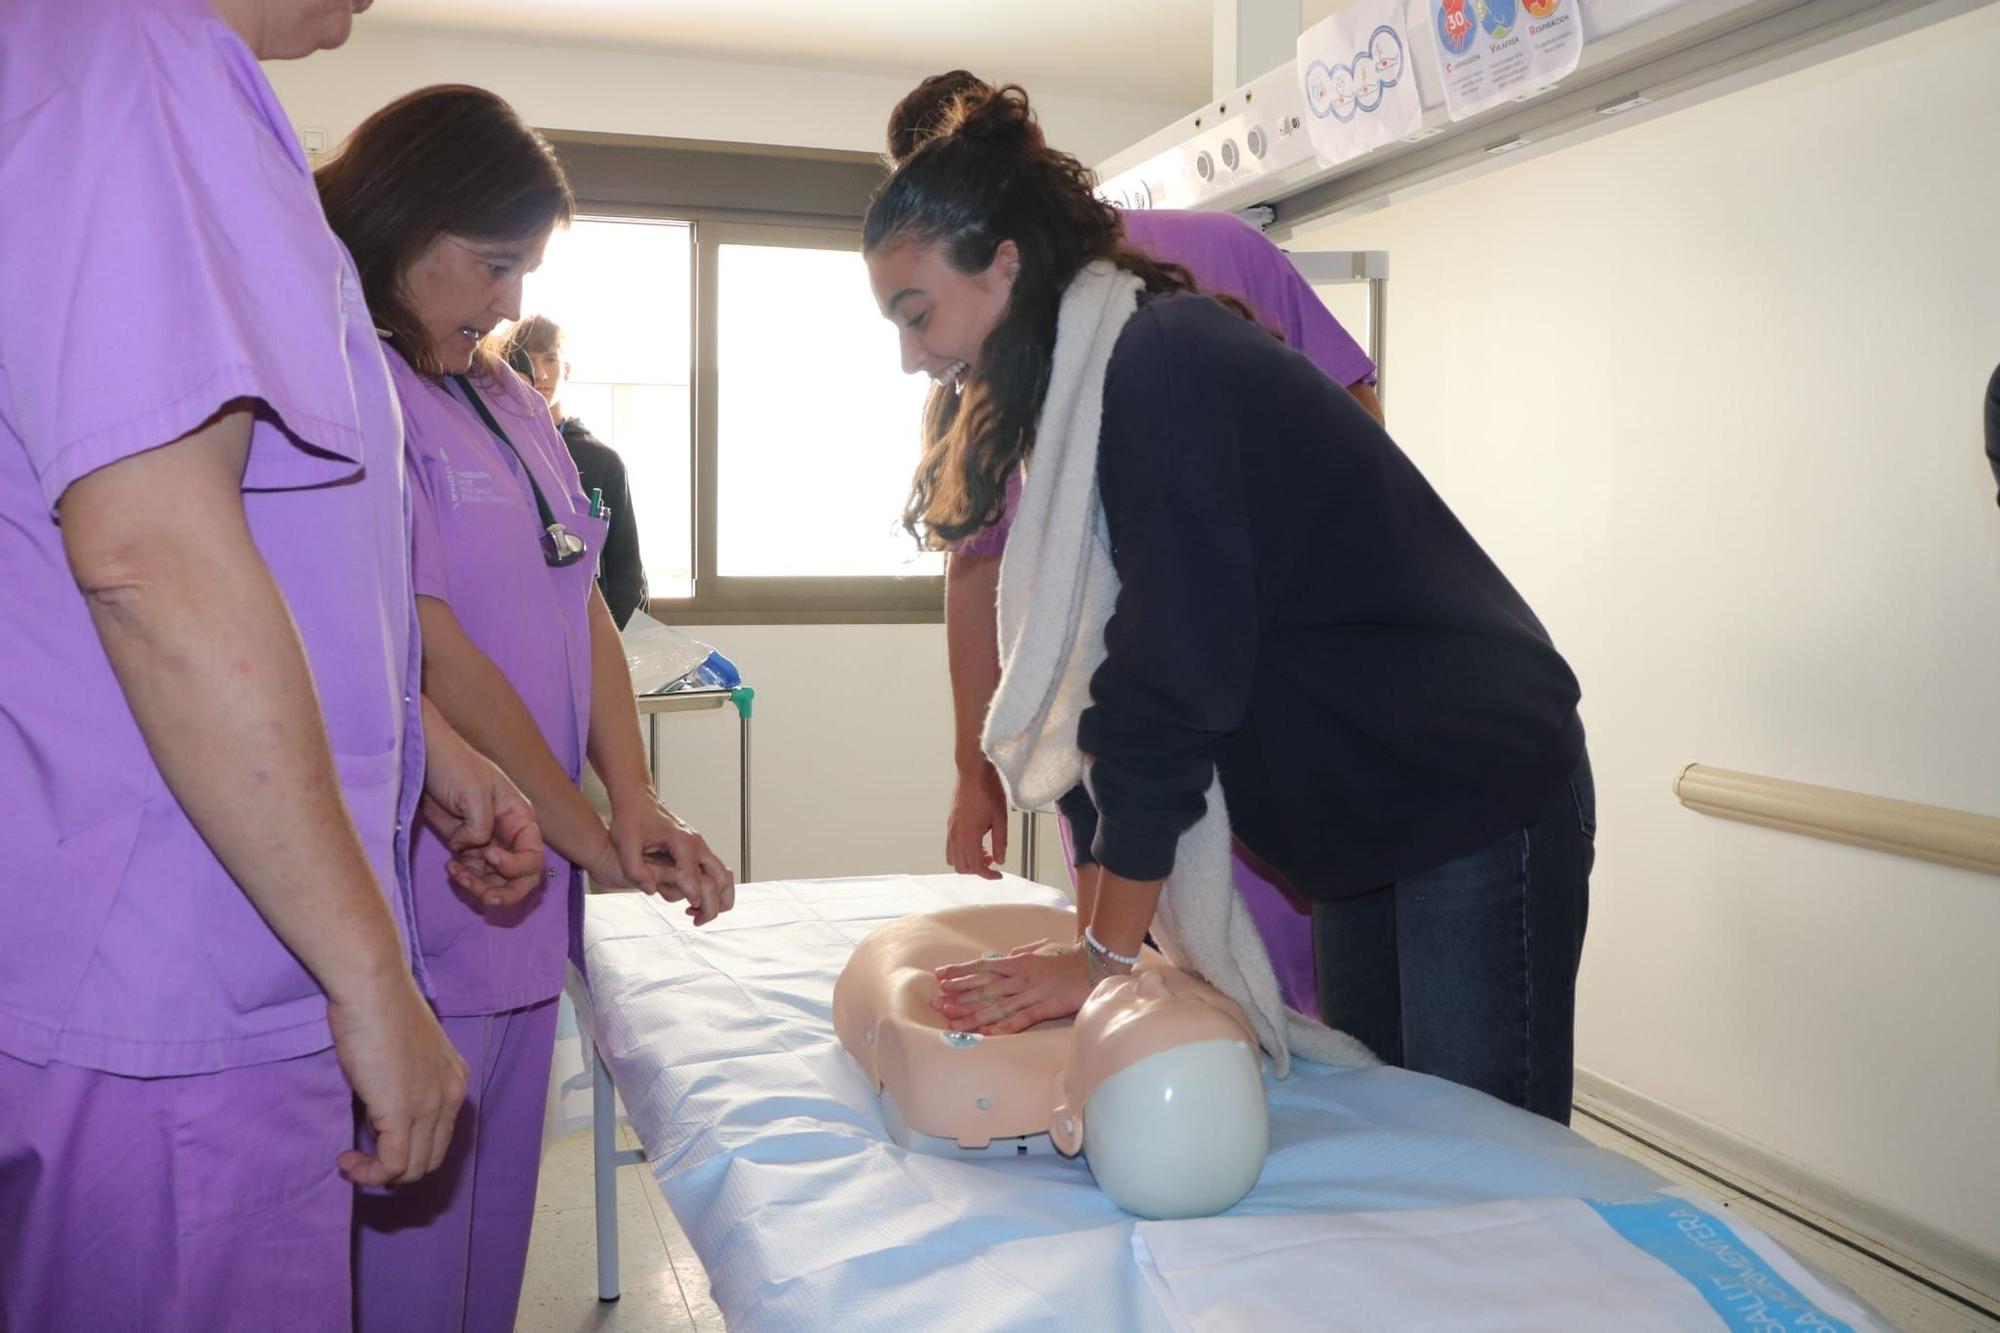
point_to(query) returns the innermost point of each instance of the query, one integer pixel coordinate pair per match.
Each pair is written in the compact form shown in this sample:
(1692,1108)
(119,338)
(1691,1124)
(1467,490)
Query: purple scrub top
(162,254)
(1226,254)
(476,548)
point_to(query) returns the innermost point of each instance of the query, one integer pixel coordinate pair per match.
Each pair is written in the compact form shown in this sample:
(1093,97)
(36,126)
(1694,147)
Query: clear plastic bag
(662,660)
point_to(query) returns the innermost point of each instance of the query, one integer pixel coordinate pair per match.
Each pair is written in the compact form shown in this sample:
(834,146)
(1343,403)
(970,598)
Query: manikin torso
(1156,1067)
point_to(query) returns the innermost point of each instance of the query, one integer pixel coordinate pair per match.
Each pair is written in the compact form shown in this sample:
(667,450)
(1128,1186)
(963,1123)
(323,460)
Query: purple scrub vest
(162,253)
(476,548)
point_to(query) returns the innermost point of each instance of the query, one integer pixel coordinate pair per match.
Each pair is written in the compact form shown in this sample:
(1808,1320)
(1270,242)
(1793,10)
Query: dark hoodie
(621,574)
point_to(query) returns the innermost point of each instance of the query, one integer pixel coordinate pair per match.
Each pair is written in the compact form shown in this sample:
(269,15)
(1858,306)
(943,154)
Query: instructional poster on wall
(1494,51)
(1359,90)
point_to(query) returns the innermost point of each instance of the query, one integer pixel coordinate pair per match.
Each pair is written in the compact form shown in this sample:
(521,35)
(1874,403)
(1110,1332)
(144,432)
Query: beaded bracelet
(1096,945)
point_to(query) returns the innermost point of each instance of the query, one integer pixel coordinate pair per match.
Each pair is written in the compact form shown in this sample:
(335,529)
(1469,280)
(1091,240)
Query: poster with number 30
(1493,51)
(1359,90)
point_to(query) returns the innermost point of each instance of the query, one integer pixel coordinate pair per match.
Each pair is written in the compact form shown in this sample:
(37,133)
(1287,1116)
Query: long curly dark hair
(987,175)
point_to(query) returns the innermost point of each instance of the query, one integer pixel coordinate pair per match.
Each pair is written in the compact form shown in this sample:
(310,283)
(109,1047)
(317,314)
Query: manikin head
(1164,1094)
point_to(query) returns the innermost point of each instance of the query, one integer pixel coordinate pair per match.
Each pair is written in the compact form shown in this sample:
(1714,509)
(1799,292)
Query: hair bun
(1001,117)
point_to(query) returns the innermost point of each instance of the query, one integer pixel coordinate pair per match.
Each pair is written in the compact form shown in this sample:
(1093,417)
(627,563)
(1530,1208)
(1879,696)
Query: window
(816,426)
(756,395)
(619,290)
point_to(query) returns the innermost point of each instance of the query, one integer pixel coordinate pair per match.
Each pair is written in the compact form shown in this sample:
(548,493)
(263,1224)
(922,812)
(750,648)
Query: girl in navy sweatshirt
(1299,613)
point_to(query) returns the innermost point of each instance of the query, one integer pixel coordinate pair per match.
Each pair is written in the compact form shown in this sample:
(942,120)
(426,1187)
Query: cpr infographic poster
(1359,89)
(1492,51)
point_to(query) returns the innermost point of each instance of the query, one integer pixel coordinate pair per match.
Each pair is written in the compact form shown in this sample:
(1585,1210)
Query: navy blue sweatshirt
(621,572)
(1301,613)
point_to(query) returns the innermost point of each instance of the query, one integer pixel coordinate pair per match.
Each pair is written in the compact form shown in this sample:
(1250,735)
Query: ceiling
(1149,51)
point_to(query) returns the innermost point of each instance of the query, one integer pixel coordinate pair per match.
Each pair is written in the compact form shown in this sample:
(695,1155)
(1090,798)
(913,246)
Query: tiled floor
(663,1284)
(665,1288)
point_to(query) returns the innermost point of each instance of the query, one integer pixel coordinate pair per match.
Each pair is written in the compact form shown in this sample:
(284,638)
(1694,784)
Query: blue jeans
(1468,970)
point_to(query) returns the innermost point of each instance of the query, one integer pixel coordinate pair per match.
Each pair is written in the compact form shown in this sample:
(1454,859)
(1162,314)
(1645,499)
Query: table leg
(743,801)
(604,1157)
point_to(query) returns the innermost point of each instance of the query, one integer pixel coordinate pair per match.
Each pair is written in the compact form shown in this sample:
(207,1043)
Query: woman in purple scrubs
(210,740)
(447,199)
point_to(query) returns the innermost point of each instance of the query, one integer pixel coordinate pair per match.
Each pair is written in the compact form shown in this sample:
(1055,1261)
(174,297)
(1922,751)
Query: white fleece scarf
(1057,590)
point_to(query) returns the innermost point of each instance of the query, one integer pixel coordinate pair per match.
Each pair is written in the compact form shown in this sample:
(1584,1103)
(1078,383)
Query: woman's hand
(662,855)
(978,810)
(1036,983)
(406,1074)
(485,821)
(600,862)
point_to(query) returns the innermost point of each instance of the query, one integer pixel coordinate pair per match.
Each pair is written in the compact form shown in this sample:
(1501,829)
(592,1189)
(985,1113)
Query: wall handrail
(1903,828)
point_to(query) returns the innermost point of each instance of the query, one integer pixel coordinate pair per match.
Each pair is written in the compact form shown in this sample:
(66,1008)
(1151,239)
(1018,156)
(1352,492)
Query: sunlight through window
(818,426)
(620,292)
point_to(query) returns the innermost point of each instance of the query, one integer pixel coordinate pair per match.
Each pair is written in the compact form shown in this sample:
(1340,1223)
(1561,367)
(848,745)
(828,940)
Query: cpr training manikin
(1157,1080)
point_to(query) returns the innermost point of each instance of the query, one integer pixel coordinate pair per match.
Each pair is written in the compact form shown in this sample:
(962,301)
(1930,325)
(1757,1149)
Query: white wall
(851,742)
(852,750)
(1709,390)
(629,92)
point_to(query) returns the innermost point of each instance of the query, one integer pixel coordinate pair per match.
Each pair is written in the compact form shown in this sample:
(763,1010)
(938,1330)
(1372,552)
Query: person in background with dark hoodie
(534,349)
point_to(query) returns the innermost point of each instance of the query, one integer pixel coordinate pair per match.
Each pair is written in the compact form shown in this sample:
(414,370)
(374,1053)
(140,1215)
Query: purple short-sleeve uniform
(1227,255)
(450,1251)
(475,547)
(162,254)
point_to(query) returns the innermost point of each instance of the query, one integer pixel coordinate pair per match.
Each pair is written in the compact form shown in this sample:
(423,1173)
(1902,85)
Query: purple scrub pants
(177,1205)
(448,1252)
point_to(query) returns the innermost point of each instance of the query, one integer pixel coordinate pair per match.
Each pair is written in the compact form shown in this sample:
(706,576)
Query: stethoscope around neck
(560,546)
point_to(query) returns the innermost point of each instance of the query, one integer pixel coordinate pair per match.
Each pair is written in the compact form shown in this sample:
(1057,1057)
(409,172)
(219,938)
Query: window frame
(633,178)
(890,598)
